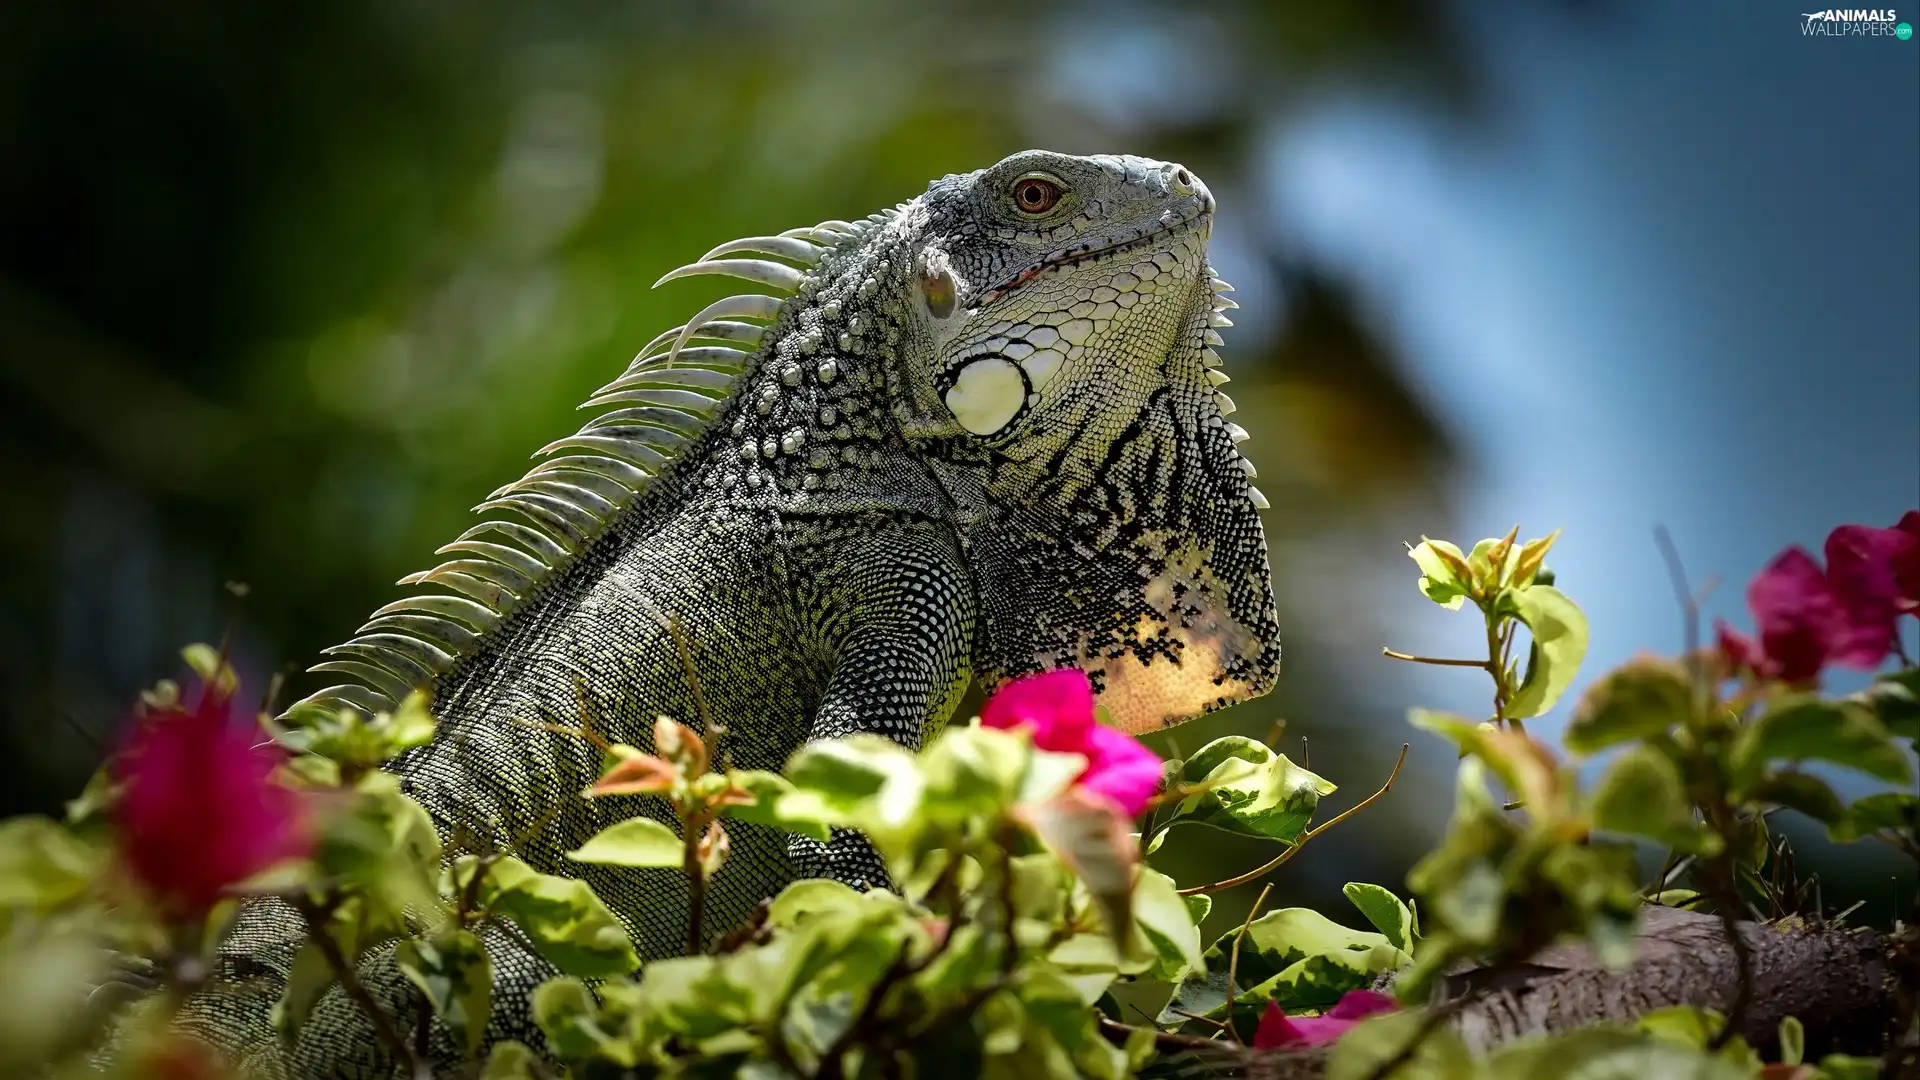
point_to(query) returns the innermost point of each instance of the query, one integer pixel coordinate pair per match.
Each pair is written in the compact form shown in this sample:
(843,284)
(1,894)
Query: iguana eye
(1035,194)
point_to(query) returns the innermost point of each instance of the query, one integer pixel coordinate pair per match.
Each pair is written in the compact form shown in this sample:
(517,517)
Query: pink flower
(1877,569)
(1057,707)
(200,809)
(1805,623)
(1278,1031)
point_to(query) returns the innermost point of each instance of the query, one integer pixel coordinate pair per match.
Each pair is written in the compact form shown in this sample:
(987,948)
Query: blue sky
(1677,281)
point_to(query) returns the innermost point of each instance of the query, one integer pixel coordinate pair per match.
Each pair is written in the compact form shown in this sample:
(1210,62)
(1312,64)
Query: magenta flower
(1057,707)
(200,810)
(1278,1031)
(1804,623)
(1876,572)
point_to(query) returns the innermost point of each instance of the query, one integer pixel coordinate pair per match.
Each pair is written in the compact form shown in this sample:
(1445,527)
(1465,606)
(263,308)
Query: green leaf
(308,977)
(1602,1053)
(385,845)
(1643,794)
(509,1060)
(1242,786)
(1492,562)
(1470,904)
(101,793)
(1275,943)
(566,922)
(1198,905)
(1370,1044)
(1085,960)
(1444,575)
(1793,1040)
(1384,910)
(864,782)
(42,865)
(346,735)
(1643,698)
(1847,1067)
(810,896)
(1040,887)
(973,772)
(452,969)
(1522,763)
(567,1014)
(211,665)
(1895,699)
(1532,557)
(1696,1029)
(1088,833)
(1559,630)
(1806,728)
(1048,774)
(1319,981)
(1895,811)
(1809,795)
(767,790)
(636,842)
(1162,915)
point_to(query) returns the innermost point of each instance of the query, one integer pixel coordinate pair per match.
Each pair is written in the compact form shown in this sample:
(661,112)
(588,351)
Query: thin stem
(1682,591)
(356,991)
(684,647)
(1496,667)
(1743,967)
(470,896)
(1435,660)
(1307,836)
(1211,1021)
(690,827)
(1233,962)
(1007,914)
(1118,1033)
(422,1029)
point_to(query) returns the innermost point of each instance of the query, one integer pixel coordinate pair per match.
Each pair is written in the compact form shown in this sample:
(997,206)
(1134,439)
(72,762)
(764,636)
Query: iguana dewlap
(977,435)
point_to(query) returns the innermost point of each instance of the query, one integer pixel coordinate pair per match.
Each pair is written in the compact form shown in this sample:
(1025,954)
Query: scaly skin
(982,439)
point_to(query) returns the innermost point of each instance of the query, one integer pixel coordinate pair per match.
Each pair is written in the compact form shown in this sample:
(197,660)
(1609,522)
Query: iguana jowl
(978,435)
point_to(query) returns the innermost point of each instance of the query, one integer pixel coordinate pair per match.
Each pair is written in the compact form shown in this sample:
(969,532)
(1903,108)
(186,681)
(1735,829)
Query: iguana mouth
(1200,218)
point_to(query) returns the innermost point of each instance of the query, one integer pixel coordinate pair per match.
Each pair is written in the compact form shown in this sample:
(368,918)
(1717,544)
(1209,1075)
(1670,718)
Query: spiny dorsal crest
(659,406)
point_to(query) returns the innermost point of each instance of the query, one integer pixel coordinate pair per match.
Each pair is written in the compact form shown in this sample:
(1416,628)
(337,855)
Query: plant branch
(343,970)
(1233,962)
(1496,667)
(1119,1033)
(684,647)
(1281,859)
(691,826)
(1439,661)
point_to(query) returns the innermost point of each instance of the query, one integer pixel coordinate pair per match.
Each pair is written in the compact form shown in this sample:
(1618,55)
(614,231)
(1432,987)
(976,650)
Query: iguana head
(1057,376)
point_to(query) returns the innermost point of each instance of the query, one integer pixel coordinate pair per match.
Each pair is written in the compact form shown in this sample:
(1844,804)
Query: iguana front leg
(895,605)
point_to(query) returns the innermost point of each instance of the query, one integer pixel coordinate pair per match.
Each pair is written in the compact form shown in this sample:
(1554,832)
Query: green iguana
(978,435)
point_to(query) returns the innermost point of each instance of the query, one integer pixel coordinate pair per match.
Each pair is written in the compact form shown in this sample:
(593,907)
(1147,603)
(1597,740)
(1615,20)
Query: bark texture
(1838,982)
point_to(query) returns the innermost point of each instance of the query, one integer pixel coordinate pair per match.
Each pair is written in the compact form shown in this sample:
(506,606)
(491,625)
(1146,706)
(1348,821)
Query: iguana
(977,435)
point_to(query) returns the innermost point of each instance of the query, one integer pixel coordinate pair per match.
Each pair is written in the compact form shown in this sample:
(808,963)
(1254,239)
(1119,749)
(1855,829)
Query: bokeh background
(286,288)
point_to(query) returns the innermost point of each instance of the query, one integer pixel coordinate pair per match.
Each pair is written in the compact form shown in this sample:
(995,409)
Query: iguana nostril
(1184,178)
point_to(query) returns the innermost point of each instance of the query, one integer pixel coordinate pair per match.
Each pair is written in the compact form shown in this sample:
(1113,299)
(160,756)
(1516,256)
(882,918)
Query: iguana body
(980,438)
